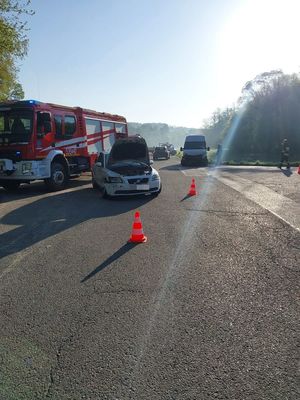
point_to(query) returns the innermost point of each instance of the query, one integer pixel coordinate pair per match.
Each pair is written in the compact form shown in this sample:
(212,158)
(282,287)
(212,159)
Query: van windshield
(194,145)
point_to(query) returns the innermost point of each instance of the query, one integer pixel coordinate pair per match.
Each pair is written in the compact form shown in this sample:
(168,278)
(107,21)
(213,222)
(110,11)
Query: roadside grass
(211,155)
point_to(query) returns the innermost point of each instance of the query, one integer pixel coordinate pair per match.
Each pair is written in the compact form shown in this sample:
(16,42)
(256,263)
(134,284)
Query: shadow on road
(188,196)
(51,215)
(287,172)
(123,250)
(35,189)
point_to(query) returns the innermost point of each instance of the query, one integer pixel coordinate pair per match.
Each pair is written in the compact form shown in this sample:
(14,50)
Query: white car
(126,170)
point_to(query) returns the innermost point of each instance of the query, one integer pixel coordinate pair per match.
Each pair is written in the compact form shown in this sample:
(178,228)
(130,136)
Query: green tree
(266,113)
(13,45)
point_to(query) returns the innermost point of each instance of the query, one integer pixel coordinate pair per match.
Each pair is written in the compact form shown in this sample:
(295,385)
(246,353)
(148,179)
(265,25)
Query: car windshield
(194,145)
(16,125)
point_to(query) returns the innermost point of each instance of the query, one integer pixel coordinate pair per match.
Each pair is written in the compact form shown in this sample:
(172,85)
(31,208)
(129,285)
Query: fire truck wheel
(58,179)
(10,186)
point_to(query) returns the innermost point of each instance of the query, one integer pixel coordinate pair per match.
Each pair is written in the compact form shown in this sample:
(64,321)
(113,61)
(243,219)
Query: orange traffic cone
(137,235)
(299,170)
(192,191)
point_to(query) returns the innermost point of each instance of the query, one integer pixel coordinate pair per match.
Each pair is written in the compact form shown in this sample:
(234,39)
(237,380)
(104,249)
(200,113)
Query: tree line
(156,133)
(267,112)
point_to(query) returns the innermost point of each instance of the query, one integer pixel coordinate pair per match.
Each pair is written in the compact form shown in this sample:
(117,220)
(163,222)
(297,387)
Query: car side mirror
(181,149)
(208,149)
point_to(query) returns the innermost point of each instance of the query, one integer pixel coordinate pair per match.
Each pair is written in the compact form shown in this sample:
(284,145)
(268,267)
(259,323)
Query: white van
(194,150)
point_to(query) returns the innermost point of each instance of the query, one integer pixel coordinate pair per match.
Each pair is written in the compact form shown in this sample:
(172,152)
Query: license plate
(142,187)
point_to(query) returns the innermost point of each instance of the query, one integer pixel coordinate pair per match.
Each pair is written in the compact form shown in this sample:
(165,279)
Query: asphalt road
(208,308)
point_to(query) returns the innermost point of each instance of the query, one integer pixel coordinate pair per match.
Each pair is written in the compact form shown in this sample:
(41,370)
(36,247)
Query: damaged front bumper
(138,187)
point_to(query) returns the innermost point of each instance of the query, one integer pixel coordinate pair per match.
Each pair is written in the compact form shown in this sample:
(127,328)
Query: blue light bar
(31,101)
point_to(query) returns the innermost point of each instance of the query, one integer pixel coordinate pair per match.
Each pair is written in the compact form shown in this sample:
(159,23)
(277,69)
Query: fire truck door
(44,130)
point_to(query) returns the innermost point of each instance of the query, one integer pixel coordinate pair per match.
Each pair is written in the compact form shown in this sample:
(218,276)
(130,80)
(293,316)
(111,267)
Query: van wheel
(10,186)
(58,179)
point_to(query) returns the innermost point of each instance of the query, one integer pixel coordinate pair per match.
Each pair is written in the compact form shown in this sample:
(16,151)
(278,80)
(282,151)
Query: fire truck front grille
(10,154)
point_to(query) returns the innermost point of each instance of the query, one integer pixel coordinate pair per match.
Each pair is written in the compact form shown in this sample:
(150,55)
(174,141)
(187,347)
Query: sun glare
(261,35)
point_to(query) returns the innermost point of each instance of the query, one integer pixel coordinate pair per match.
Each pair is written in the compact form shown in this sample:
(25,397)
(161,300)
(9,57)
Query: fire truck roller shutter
(108,135)
(94,136)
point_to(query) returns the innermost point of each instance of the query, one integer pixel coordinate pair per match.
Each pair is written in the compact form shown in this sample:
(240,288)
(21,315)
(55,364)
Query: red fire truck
(52,142)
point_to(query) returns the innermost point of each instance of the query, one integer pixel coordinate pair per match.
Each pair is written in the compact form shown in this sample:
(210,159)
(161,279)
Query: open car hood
(129,151)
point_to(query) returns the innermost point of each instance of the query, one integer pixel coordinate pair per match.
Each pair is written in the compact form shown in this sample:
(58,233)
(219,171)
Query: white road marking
(281,206)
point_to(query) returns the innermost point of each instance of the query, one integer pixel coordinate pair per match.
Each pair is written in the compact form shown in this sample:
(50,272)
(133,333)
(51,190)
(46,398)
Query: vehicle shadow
(119,253)
(51,215)
(35,189)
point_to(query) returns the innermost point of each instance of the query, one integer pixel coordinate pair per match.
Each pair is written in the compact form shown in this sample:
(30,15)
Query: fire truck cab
(52,142)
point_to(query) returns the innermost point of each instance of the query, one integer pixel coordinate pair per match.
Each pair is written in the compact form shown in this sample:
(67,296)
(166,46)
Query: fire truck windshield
(15,125)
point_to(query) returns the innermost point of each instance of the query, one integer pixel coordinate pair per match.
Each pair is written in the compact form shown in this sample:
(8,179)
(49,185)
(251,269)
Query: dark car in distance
(161,152)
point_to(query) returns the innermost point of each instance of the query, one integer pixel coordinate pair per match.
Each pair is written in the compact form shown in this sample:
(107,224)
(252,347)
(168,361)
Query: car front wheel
(155,194)
(95,184)
(105,195)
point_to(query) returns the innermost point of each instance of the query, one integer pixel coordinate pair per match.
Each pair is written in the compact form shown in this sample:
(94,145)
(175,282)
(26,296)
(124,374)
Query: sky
(172,61)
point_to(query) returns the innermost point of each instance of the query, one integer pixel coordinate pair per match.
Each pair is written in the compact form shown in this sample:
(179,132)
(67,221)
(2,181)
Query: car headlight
(155,177)
(114,179)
